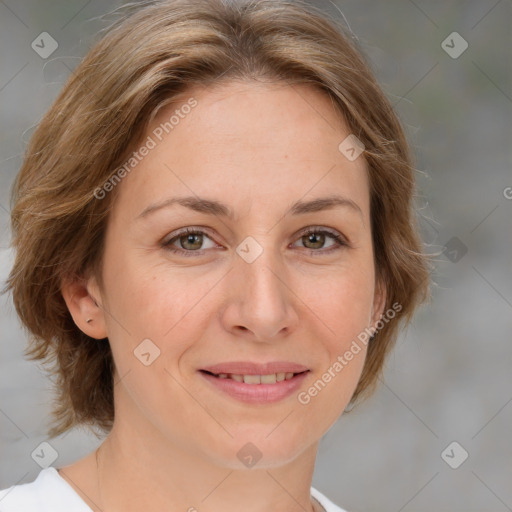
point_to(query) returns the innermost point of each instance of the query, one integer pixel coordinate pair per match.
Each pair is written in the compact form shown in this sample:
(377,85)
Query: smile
(256,389)
(271,378)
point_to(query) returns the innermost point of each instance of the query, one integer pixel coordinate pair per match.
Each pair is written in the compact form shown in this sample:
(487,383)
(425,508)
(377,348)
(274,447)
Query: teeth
(252,379)
(268,379)
(258,379)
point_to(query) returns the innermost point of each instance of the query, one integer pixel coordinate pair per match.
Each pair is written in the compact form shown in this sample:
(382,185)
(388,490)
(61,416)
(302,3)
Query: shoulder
(48,492)
(328,505)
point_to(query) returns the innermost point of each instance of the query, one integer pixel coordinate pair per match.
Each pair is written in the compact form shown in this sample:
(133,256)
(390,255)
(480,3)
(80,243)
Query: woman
(216,248)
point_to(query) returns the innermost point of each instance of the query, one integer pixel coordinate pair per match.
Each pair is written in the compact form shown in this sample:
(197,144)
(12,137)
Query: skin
(258,148)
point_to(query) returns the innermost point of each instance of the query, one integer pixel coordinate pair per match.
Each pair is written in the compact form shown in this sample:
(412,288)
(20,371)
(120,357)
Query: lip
(250,368)
(256,393)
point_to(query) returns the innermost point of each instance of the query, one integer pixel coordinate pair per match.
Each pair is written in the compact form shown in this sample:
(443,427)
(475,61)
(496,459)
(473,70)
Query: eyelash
(340,241)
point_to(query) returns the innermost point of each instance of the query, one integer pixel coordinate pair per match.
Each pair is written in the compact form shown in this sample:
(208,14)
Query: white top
(49,492)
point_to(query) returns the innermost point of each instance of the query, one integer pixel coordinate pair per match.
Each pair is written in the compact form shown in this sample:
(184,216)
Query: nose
(260,304)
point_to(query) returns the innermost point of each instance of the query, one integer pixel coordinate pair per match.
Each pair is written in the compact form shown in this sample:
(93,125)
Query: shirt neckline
(56,473)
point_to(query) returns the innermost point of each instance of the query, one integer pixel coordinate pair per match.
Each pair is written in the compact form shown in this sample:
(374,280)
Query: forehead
(247,142)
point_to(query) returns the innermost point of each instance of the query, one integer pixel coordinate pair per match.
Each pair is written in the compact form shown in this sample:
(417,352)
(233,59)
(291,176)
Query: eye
(315,238)
(189,241)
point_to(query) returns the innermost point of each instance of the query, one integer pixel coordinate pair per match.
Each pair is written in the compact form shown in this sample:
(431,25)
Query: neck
(157,475)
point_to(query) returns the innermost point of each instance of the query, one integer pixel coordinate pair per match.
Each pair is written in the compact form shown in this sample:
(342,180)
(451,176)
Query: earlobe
(83,306)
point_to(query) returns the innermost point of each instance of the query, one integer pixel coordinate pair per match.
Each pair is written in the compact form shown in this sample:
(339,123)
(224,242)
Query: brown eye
(191,241)
(316,240)
(188,242)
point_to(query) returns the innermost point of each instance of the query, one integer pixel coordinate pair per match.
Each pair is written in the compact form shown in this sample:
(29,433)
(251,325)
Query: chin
(258,450)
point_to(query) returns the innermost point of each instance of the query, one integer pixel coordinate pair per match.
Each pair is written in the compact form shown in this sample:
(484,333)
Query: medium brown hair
(153,53)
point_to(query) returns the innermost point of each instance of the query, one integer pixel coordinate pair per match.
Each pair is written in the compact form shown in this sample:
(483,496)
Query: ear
(379,302)
(82,299)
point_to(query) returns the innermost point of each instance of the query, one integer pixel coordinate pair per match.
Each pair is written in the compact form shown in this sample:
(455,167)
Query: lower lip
(257,393)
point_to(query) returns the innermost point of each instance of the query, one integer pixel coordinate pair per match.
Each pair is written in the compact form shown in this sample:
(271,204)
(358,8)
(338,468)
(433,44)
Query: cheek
(148,299)
(341,299)
(340,309)
(154,321)
(164,305)
(343,316)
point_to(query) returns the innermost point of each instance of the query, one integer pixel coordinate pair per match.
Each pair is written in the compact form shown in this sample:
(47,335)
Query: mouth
(255,384)
(271,378)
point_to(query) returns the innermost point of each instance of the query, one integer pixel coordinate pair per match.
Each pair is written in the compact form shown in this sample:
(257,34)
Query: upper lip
(250,368)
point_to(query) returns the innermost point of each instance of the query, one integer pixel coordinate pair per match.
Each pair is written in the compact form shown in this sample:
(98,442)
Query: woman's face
(248,284)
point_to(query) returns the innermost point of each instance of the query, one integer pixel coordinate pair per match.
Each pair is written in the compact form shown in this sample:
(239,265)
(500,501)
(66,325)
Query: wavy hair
(154,52)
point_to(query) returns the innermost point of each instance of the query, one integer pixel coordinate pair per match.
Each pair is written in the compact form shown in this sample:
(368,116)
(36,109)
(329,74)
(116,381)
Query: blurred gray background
(449,378)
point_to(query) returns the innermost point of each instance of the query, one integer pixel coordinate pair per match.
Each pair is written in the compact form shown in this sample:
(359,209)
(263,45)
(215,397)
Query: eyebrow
(212,207)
